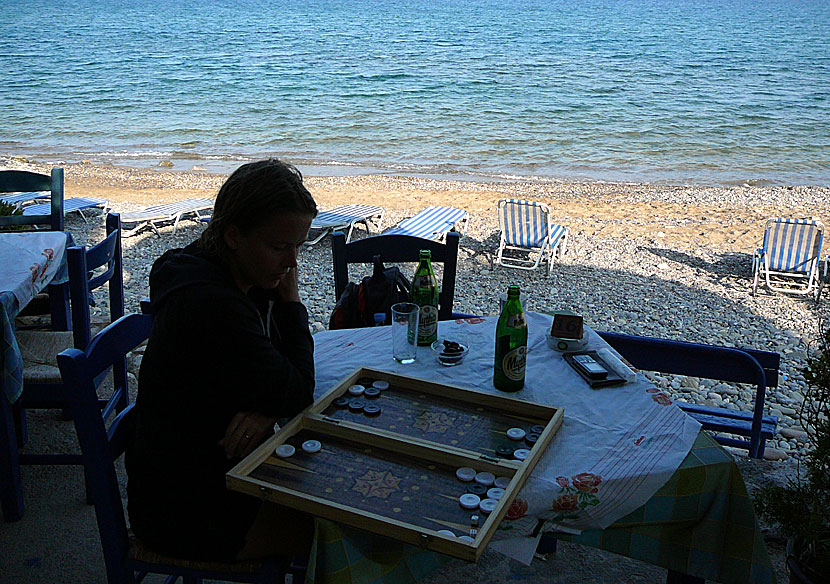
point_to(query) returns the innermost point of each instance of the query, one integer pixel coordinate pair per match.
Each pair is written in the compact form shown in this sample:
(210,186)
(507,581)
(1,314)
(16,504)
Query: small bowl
(447,355)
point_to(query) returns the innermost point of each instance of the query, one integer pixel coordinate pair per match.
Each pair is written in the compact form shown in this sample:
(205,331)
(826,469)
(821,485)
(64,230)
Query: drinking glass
(404,331)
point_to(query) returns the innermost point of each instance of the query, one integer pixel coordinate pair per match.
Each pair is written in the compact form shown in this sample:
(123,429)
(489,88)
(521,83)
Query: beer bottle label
(427,323)
(423,281)
(516,320)
(513,364)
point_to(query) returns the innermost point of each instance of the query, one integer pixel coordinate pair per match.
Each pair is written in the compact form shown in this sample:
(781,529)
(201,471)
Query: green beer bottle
(511,345)
(425,295)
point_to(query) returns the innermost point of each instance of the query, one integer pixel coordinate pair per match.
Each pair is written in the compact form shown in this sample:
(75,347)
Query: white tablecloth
(615,448)
(29,261)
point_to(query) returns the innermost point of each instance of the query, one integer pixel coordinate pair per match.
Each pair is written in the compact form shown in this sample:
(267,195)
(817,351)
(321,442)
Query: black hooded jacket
(213,352)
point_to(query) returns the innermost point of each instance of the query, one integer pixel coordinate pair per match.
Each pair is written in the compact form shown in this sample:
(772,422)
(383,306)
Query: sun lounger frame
(346,216)
(163,213)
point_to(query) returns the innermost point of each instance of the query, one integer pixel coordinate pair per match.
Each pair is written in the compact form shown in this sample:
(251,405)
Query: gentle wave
(697,92)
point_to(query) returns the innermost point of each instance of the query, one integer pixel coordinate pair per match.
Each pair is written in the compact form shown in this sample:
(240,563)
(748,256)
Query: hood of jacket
(189,266)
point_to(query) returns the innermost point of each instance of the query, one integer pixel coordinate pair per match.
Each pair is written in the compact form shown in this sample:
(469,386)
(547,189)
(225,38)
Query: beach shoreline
(721,217)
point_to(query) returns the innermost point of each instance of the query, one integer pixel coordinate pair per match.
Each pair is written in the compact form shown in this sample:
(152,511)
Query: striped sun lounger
(526,227)
(154,215)
(790,256)
(20,198)
(69,205)
(345,216)
(432,223)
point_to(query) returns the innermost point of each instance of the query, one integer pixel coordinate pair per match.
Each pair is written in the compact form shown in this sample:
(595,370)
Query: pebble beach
(663,261)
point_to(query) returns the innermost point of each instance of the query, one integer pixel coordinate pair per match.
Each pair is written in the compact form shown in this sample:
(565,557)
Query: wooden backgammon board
(404,458)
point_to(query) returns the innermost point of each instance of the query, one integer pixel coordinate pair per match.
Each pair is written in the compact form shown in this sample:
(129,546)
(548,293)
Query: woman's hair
(251,196)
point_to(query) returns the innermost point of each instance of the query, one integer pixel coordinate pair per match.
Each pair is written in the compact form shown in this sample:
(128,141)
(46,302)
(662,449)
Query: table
(627,472)
(31,260)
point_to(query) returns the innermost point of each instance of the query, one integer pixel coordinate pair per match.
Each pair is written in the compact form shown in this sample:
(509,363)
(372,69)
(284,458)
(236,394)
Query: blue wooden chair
(396,249)
(789,258)
(21,186)
(43,387)
(17,181)
(526,228)
(127,559)
(759,368)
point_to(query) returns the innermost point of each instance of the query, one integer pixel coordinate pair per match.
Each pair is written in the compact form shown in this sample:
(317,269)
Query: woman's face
(264,256)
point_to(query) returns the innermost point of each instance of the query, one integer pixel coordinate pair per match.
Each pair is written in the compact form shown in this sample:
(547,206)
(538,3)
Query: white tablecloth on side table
(616,446)
(29,261)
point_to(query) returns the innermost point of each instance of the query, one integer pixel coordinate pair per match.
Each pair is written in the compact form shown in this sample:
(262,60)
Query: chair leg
(59,307)
(11,490)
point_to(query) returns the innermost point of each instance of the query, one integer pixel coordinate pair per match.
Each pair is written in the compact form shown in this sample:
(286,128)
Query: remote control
(591,368)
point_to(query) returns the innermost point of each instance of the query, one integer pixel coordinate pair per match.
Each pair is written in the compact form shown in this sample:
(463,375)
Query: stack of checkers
(355,402)
(483,490)
(520,435)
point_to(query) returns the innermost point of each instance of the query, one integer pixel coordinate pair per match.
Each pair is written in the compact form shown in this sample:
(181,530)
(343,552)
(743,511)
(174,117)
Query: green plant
(6,210)
(802,508)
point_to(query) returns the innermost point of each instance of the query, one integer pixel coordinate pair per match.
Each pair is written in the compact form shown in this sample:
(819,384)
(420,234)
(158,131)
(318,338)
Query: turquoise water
(711,92)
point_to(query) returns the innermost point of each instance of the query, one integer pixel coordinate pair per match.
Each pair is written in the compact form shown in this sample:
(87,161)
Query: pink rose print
(587,482)
(562,482)
(662,399)
(565,503)
(517,509)
(48,253)
(471,320)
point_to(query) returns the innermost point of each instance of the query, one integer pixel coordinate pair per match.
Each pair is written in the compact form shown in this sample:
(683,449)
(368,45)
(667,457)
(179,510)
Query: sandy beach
(665,261)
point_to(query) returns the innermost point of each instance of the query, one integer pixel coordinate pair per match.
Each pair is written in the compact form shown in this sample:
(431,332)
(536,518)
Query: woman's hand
(288,289)
(246,431)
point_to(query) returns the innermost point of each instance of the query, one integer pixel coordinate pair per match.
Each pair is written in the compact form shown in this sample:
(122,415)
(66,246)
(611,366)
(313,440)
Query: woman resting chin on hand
(230,352)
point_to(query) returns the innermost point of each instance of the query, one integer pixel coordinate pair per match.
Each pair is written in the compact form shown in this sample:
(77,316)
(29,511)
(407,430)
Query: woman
(229,354)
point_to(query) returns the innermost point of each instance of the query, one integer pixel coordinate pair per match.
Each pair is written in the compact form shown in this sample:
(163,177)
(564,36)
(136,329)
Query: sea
(710,92)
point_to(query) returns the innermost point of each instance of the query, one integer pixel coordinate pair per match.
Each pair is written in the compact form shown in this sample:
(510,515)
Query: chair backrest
(101,447)
(793,245)
(12,181)
(82,263)
(524,223)
(759,368)
(397,249)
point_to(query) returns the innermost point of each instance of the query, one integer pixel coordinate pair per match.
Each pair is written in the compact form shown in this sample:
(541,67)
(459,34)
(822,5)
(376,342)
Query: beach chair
(155,215)
(790,256)
(69,205)
(432,223)
(526,228)
(20,199)
(345,216)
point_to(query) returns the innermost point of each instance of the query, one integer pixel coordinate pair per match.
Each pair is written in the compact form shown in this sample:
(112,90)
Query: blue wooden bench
(730,364)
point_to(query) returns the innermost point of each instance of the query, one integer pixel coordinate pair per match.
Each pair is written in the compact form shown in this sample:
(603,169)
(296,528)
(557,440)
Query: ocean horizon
(712,92)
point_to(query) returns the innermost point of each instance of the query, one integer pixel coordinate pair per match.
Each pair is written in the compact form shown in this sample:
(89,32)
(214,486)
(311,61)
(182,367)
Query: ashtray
(449,353)
(567,345)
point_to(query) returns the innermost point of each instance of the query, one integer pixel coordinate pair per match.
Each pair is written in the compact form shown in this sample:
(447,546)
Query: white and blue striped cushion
(792,245)
(525,224)
(69,205)
(431,223)
(344,215)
